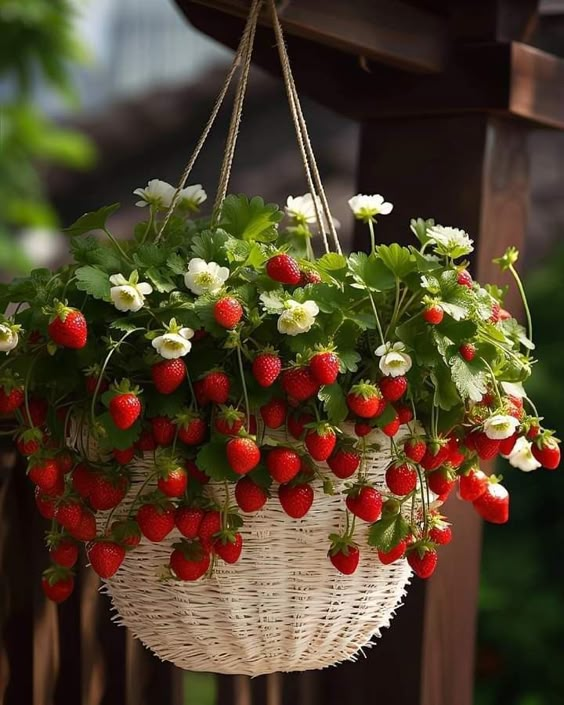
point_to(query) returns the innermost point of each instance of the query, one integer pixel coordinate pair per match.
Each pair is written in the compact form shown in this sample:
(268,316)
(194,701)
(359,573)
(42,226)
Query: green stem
(372,236)
(149,225)
(245,393)
(494,381)
(396,308)
(525,303)
(118,246)
(374,310)
(26,390)
(145,483)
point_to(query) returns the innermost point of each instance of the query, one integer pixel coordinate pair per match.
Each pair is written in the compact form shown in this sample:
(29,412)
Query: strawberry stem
(244,384)
(521,289)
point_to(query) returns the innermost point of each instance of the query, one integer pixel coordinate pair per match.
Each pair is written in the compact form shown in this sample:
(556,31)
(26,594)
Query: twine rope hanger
(242,59)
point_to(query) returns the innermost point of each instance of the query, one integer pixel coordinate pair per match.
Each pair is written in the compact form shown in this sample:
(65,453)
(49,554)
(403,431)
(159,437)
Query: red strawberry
(547,451)
(324,367)
(228,312)
(464,278)
(174,482)
(345,559)
(533,432)
(362,429)
(249,496)
(266,367)
(320,441)
(188,520)
(405,414)
(45,473)
(107,491)
(486,448)
(440,482)
(435,455)
(69,514)
(146,442)
(496,313)
(29,442)
(126,533)
(393,388)
(365,503)
(297,424)
(394,554)
(38,409)
(243,455)
(163,430)
(195,473)
(415,449)
(344,462)
(168,375)
(493,504)
(423,561)
(123,457)
(299,383)
(209,527)
(65,461)
(274,413)
(365,400)
(199,392)
(467,351)
(86,529)
(83,480)
(284,269)
(216,387)
(229,548)
(64,553)
(283,464)
(156,521)
(296,500)
(392,427)
(189,561)
(125,409)
(106,558)
(441,533)
(68,328)
(401,479)
(309,277)
(45,504)
(192,428)
(506,445)
(455,456)
(433,314)
(11,398)
(472,485)
(229,421)
(57,586)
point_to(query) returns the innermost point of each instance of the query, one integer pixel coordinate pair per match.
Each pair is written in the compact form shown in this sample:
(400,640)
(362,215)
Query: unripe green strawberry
(267,366)
(106,558)
(68,328)
(168,375)
(283,269)
(228,312)
(324,367)
(243,455)
(296,500)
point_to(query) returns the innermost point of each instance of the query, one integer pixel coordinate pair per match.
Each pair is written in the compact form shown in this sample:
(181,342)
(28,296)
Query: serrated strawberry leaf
(93,281)
(260,476)
(114,437)
(386,533)
(250,219)
(95,220)
(212,460)
(334,403)
(469,378)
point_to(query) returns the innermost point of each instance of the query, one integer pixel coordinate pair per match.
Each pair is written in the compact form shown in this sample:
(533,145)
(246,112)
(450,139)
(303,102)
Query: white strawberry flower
(394,362)
(450,242)
(500,426)
(297,318)
(129,294)
(192,197)
(175,341)
(302,208)
(9,337)
(366,208)
(205,277)
(521,456)
(157,193)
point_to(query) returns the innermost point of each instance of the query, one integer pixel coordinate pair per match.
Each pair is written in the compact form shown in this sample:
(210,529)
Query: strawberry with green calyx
(284,269)
(493,504)
(57,584)
(229,420)
(228,545)
(125,406)
(44,472)
(190,560)
(324,366)
(108,489)
(365,502)
(228,312)
(415,448)
(274,412)
(299,384)
(163,430)
(423,558)
(433,314)
(440,530)
(436,454)
(343,553)
(11,396)
(209,528)
(172,477)
(296,499)
(156,519)
(441,481)
(297,424)
(320,440)
(267,366)
(192,429)
(394,554)
(29,441)
(188,520)
(472,484)
(92,376)
(249,496)
(467,351)
(243,454)
(309,276)
(126,533)
(63,551)
(344,462)
(125,456)
(401,478)
(67,326)
(365,400)
(216,386)
(168,375)
(391,428)
(105,557)
(283,464)
(546,450)
(393,388)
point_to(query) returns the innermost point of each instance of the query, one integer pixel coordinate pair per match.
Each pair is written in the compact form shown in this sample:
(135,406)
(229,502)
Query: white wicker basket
(282,607)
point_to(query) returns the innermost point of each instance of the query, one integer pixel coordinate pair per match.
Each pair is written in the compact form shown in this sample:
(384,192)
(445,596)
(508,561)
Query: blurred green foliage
(36,44)
(521,624)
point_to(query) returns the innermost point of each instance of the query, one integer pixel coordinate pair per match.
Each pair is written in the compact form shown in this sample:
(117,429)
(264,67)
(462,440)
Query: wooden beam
(387,31)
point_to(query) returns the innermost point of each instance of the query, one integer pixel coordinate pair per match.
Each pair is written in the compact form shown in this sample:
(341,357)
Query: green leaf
(469,378)
(149,255)
(212,459)
(165,404)
(114,437)
(160,280)
(261,477)
(331,262)
(89,250)
(388,532)
(176,264)
(123,324)
(96,220)
(419,228)
(349,359)
(93,281)
(334,402)
(209,245)
(457,331)
(250,219)
(397,259)
(446,394)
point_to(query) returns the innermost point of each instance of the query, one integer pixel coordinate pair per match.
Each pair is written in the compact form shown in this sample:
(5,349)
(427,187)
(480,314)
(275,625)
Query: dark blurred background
(96,98)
